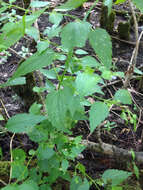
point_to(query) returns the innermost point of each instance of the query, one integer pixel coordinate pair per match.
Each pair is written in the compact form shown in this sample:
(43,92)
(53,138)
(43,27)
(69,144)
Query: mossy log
(107,20)
(124,30)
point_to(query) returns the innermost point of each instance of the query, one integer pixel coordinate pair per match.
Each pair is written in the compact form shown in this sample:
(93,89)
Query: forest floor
(122,135)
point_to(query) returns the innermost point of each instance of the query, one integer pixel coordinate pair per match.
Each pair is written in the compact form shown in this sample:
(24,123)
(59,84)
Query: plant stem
(69,56)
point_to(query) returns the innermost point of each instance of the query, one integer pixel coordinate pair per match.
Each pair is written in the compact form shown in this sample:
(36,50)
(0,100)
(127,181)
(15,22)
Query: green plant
(64,104)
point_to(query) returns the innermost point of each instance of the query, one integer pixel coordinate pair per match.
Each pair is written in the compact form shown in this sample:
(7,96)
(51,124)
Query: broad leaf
(16,81)
(10,187)
(19,155)
(89,61)
(19,170)
(138,4)
(75,34)
(115,176)
(33,32)
(38,4)
(44,151)
(70,4)
(42,46)
(62,107)
(84,186)
(55,18)
(98,112)
(31,185)
(35,62)
(123,96)
(86,83)
(23,123)
(101,43)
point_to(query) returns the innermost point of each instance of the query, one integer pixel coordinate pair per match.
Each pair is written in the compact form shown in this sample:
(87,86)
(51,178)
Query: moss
(107,21)
(124,30)
(4,171)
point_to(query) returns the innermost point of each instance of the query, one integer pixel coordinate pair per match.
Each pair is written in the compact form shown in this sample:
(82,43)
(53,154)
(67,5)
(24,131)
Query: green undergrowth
(78,76)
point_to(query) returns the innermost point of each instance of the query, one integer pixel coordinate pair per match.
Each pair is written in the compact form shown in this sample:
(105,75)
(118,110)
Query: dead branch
(113,151)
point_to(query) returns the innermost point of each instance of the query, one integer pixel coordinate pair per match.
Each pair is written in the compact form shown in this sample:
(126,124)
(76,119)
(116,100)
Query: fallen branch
(113,151)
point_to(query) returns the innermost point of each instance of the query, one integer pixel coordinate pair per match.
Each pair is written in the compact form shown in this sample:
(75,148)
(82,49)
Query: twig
(4,108)
(1,181)
(124,41)
(133,60)
(11,158)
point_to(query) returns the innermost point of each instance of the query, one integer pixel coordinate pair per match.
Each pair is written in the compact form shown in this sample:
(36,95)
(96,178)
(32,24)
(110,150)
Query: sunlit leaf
(35,62)
(23,123)
(115,176)
(101,43)
(98,113)
(86,83)
(123,96)
(37,4)
(75,34)
(61,111)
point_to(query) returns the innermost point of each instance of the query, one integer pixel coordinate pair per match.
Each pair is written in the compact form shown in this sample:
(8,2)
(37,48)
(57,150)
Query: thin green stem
(66,67)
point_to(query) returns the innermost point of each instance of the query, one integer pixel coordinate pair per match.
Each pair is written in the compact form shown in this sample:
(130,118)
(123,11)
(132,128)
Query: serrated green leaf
(10,187)
(60,110)
(106,74)
(50,74)
(16,81)
(123,96)
(115,176)
(98,112)
(138,4)
(55,18)
(75,34)
(35,62)
(44,151)
(33,32)
(136,70)
(64,165)
(89,61)
(42,46)
(86,83)
(38,4)
(75,182)
(28,185)
(84,186)
(101,43)
(52,31)
(19,170)
(19,155)
(35,109)
(23,123)
(81,52)
(70,4)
